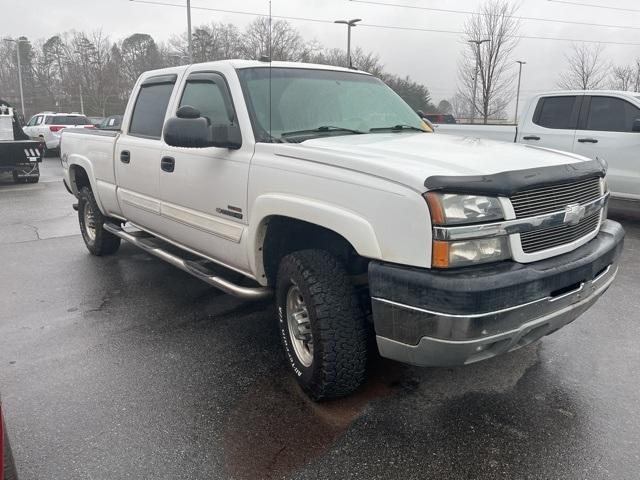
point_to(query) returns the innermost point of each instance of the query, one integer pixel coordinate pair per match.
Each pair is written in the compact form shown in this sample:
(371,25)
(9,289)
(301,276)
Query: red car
(7,466)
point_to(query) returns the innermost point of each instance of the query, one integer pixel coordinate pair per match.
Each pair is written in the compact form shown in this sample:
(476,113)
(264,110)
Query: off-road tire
(336,320)
(17,179)
(103,242)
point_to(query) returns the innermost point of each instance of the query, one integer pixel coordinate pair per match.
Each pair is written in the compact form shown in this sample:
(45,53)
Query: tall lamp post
(17,42)
(475,76)
(519,78)
(349,24)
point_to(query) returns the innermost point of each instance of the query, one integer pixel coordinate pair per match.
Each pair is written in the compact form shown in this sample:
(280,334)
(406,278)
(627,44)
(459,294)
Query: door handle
(125,156)
(167,164)
(588,140)
(531,137)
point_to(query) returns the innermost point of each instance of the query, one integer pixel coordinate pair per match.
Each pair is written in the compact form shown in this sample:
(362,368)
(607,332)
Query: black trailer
(19,155)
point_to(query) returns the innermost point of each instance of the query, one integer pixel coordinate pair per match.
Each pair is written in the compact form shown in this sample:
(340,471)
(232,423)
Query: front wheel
(321,324)
(98,241)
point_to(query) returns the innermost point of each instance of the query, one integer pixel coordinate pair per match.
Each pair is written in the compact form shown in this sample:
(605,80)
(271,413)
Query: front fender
(353,227)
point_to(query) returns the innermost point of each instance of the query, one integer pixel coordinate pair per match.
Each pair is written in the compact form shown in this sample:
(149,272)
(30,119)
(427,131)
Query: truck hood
(409,158)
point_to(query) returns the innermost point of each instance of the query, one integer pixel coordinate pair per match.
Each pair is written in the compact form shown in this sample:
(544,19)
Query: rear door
(138,151)
(553,123)
(605,132)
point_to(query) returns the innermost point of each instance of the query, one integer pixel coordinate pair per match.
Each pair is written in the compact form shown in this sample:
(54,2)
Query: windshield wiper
(322,129)
(397,128)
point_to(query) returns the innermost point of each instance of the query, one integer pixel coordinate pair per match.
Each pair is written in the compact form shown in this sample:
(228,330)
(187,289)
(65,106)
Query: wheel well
(285,235)
(79,178)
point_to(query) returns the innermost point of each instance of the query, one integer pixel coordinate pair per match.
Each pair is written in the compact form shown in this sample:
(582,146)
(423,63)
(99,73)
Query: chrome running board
(189,266)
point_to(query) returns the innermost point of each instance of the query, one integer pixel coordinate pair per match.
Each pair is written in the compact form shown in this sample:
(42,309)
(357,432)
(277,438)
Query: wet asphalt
(124,367)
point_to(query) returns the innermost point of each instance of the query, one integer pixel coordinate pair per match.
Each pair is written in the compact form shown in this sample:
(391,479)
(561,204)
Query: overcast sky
(428,57)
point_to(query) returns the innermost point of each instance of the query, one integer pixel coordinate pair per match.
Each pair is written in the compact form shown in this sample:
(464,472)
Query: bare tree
(365,61)
(217,41)
(459,105)
(586,70)
(278,39)
(623,78)
(495,21)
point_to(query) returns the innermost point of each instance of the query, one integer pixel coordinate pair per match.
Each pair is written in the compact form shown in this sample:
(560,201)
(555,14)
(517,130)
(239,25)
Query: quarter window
(610,114)
(149,111)
(38,120)
(556,112)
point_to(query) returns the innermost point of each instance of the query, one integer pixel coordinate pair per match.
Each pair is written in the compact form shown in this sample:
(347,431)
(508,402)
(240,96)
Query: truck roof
(240,64)
(590,92)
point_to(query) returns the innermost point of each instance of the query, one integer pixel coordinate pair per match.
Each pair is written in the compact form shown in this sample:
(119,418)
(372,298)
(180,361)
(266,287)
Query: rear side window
(208,99)
(150,109)
(38,120)
(67,120)
(610,114)
(556,112)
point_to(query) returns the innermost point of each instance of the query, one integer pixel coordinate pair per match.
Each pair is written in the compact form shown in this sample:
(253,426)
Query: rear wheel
(27,175)
(321,324)
(43,147)
(97,239)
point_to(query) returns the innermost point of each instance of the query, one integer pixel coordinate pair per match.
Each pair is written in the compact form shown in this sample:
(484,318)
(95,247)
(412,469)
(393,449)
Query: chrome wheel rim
(89,222)
(299,326)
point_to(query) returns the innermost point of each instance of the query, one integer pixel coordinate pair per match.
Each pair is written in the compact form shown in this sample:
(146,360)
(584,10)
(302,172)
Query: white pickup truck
(321,186)
(599,124)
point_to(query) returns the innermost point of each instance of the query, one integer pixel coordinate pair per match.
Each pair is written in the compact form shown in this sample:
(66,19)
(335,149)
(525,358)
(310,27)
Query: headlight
(452,209)
(469,252)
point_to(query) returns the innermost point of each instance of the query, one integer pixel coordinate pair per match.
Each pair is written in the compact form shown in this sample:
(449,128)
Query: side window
(209,98)
(32,122)
(38,120)
(610,114)
(149,110)
(556,112)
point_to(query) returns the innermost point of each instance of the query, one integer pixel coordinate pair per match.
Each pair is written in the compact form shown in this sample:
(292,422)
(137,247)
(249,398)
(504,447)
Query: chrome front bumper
(444,318)
(551,314)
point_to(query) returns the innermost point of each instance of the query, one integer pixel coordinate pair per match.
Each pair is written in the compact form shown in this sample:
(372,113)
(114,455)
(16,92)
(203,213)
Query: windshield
(307,100)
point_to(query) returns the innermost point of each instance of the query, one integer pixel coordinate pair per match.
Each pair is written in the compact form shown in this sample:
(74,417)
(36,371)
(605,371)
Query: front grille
(556,198)
(541,200)
(545,238)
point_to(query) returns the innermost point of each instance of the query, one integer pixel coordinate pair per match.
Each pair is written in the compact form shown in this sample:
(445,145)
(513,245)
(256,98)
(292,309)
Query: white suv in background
(48,126)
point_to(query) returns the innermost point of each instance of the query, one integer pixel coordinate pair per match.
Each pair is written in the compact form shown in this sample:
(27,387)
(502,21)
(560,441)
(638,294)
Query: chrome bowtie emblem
(573,213)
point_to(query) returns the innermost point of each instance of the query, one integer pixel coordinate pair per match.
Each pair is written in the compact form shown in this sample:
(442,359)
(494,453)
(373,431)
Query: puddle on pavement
(275,429)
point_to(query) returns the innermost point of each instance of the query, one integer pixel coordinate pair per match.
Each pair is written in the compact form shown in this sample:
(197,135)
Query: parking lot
(124,367)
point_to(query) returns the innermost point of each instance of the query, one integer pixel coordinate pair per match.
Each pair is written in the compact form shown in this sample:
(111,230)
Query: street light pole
(17,42)
(349,24)
(518,94)
(475,77)
(189,31)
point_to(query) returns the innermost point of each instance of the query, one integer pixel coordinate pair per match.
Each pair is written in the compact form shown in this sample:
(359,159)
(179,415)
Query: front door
(204,190)
(606,133)
(138,152)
